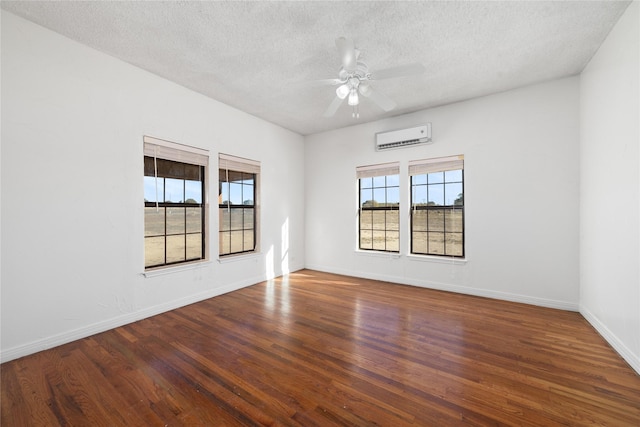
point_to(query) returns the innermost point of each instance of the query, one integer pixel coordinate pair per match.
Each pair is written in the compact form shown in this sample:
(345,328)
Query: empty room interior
(320,213)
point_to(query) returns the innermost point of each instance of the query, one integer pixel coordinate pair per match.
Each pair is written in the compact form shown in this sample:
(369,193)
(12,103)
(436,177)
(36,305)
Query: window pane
(247,194)
(379,196)
(366,182)
(193,191)
(366,197)
(379,241)
(436,194)
(378,181)
(248,178)
(194,220)
(175,220)
(419,220)
(174,190)
(452,192)
(153,251)
(418,179)
(393,241)
(393,180)
(435,178)
(153,222)
(454,244)
(194,246)
(366,239)
(435,220)
(393,219)
(248,240)
(453,176)
(248,220)
(393,196)
(453,220)
(150,189)
(224,219)
(436,243)
(366,220)
(378,220)
(235,191)
(224,243)
(419,242)
(236,241)
(419,195)
(223,198)
(175,248)
(237,219)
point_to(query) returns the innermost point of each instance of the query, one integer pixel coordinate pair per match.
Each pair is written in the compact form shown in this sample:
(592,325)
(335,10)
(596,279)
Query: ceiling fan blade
(348,53)
(383,101)
(327,82)
(401,71)
(333,107)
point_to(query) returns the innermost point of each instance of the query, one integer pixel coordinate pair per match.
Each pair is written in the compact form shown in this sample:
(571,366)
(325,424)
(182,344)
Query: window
(174,203)
(237,196)
(379,200)
(437,206)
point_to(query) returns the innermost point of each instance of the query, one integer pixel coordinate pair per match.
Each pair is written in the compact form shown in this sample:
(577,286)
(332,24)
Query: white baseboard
(487,293)
(632,359)
(86,331)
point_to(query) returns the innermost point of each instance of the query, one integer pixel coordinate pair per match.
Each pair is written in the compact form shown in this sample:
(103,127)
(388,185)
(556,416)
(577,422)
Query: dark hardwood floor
(316,349)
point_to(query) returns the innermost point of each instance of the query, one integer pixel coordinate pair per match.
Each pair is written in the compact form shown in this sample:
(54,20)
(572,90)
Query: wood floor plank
(318,349)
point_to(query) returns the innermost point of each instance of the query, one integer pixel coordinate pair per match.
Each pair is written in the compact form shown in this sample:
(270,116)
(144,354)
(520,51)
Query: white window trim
(163,149)
(239,257)
(426,166)
(369,171)
(177,268)
(241,164)
(437,259)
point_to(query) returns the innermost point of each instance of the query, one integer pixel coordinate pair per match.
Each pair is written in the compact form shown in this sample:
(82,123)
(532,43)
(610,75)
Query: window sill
(161,271)
(438,259)
(391,255)
(239,257)
(412,257)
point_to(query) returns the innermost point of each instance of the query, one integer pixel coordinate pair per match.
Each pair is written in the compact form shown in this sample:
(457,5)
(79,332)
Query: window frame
(229,164)
(171,153)
(385,170)
(434,166)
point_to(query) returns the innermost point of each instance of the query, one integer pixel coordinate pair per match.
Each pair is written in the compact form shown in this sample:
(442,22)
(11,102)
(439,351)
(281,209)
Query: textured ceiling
(261,57)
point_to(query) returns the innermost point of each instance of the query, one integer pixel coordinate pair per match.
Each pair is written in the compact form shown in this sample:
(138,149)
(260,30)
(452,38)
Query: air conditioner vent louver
(404,137)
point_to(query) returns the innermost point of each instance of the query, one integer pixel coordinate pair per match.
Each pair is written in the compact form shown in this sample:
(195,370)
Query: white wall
(609,188)
(521,196)
(72,213)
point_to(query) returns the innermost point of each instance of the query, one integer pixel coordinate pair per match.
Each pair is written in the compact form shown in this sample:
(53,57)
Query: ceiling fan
(354,78)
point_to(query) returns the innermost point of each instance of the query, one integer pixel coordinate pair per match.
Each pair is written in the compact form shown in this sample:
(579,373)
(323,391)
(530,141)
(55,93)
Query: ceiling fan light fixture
(342,91)
(353,97)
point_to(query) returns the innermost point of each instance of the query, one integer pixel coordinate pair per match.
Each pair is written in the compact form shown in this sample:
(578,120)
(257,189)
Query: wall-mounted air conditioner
(403,137)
